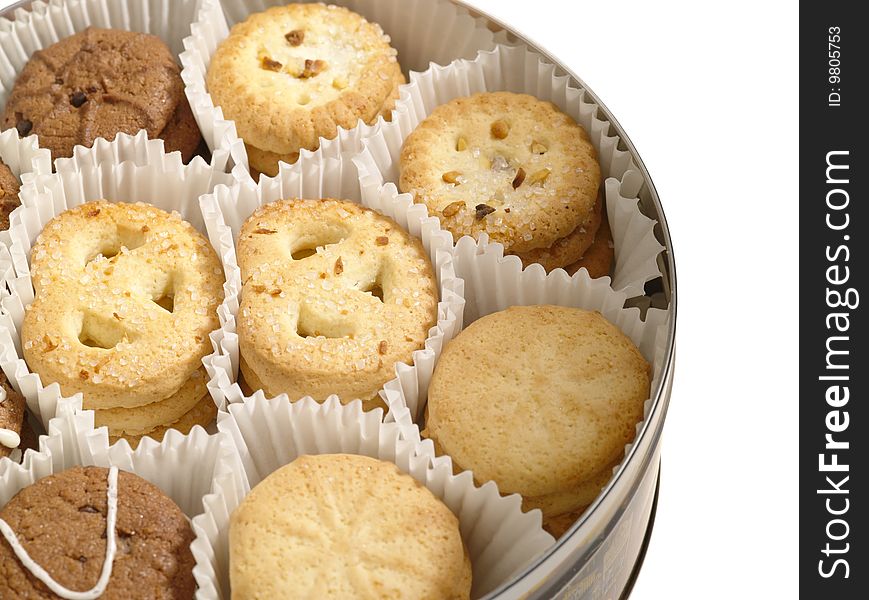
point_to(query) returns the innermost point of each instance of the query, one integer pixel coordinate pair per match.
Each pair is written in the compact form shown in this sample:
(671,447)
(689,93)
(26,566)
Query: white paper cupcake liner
(164,183)
(423,32)
(48,22)
(329,179)
(190,469)
(518,69)
(271,433)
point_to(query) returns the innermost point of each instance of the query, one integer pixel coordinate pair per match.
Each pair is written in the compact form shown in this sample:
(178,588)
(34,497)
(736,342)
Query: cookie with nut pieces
(334,296)
(292,74)
(508,165)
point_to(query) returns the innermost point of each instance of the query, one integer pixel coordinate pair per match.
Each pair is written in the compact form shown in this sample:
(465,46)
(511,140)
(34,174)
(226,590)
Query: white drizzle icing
(9,438)
(111,545)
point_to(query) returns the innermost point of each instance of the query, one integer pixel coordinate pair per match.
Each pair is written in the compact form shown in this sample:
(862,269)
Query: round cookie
(345,526)
(9,201)
(12,415)
(598,259)
(568,249)
(558,526)
(61,522)
(202,414)
(508,165)
(126,297)
(334,296)
(537,398)
(97,83)
(292,74)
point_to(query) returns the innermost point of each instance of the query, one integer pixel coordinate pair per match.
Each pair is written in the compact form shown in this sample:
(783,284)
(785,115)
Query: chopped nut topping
(92,212)
(520,177)
(381,347)
(145,229)
(339,266)
(500,129)
(507,210)
(451,177)
(83,374)
(322,276)
(538,148)
(269,64)
(259,289)
(275,292)
(264,231)
(453,208)
(77,99)
(462,144)
(483,210)
(117,316)
(312,68)
(381,240)
(539,176)
(295,37)
(49,345)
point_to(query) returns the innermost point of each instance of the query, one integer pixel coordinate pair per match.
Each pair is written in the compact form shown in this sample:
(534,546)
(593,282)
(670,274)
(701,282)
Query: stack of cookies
(518,169)
(293,74)
(98,83)
(126,297)
(541,400)
(334,296)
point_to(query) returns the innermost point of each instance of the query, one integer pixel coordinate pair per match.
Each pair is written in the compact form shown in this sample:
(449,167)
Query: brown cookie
(598,259)
(98,83)
(558,526)
(61,522)
(11,416)
(9,201)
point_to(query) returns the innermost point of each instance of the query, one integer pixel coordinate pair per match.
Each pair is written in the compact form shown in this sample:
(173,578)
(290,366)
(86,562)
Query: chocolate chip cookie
(98,83)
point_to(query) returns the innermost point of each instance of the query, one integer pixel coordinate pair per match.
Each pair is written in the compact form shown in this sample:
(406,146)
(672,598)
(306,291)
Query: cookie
(598,259)
(293,74)
(567,250)
(61,523)
(334,296)
(12,416)
(345,526)
(98,83)
(126,297)
(538,398)
(203,413)
(558,526)
(9,201)
(508,165)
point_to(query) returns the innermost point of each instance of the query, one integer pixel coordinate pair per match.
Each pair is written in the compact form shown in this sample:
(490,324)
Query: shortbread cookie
(203,413)
(567,250)
(61,523)
(142,419)
(334,296)
(293,74)
(9,201)
(598,259)
(98,83)
(505,164)
(537,398)
(558,526)
(345,526)
(12,414)
(126,297)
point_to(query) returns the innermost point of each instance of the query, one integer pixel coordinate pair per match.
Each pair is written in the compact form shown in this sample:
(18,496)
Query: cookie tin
(602,553)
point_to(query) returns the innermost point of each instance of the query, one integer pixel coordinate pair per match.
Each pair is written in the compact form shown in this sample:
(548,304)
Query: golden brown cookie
(203,413)
(12,417)
(61,523)
(9,201)
(506,164)
(295,73)
(334,296)
(345,526)
(566,250)
(538,398)
(598,259)
(98,83)
(558,526)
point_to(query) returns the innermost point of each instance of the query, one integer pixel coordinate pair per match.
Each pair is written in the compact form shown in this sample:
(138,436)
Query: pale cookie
(568,249)
(598,259)
(12,415)
(558,526)
(293,74)
(126,297)
(203,414)
(334,296)
(537,398)
(505,164)
(142,419)
(345,526)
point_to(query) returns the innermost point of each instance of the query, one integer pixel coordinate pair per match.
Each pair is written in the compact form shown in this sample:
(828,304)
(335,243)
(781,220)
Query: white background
(708,94)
